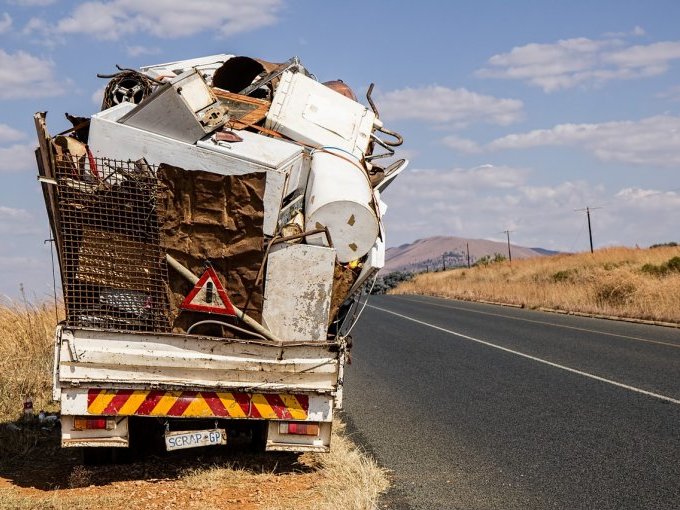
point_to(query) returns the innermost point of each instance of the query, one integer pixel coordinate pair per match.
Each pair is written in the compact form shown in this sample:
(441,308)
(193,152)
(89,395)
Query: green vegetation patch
(668,267)
(389,281)
(488,259)
(565,276)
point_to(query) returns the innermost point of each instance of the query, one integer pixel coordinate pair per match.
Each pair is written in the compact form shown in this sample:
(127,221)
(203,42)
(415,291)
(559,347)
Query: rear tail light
(297,428)
(82,423)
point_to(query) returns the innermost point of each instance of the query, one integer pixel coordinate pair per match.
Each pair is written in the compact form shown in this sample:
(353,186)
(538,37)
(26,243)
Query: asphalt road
(479,406)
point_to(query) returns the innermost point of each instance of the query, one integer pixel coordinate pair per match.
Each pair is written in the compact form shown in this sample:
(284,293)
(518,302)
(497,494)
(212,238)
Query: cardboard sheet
(217,219)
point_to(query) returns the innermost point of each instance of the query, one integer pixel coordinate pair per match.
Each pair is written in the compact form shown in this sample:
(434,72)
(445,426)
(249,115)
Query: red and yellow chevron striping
(274,406)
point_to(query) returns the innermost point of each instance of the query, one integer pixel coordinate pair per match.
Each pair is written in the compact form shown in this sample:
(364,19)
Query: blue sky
(515,113)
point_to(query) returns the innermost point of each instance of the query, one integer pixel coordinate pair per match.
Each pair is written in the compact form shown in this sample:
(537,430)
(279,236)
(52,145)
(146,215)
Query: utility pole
(590,230)
(467,248)
(507,233)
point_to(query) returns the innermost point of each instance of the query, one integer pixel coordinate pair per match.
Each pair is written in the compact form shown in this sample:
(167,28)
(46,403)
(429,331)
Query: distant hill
(425,254)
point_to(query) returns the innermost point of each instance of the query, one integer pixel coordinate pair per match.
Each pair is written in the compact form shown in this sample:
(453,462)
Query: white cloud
(98,95)
(16,221)
(111,20)
(448,106)
(462,144)
(17,158)
(637,31)
(25,75)
(466,179)
(479,202)
(652,141)
(40,27)
(644,216)
(13,214)
(9,134)
(137,51)
(32,3)
(473,203)
(671,94)
(649,200)
(653,56)
(5,22)
(24,257)
(581,61)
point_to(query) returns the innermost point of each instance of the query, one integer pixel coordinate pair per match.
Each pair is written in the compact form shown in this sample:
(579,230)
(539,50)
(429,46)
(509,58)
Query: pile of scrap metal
(223,196)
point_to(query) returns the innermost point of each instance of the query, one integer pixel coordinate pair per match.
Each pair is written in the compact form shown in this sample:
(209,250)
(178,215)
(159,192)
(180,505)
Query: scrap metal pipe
(191,277)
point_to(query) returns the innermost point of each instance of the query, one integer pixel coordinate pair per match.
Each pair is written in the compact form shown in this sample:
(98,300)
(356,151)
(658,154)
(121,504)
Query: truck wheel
(258,441)
(97,456)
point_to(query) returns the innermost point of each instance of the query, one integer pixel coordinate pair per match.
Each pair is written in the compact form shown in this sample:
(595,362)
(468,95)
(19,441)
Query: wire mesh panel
(113,267)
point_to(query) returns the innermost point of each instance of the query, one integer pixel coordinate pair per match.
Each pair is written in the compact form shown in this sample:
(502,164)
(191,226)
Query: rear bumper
(179,408)
(196,404)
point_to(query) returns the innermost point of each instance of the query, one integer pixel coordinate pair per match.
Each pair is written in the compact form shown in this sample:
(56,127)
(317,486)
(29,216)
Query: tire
(97,455)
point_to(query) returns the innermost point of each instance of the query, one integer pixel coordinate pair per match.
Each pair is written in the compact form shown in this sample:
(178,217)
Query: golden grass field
(26,352)
(624,282)
(36,474)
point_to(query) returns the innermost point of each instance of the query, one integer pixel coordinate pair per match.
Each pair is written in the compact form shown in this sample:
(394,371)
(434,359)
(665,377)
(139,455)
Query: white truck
(216,223)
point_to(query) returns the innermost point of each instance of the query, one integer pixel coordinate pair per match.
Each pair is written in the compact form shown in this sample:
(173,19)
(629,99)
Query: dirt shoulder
(36,473)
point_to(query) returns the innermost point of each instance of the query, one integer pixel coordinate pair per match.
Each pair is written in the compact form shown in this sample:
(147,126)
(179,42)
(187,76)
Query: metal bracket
(71,348)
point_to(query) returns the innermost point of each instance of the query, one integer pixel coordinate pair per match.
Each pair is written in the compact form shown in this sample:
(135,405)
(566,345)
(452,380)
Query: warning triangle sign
(208,296)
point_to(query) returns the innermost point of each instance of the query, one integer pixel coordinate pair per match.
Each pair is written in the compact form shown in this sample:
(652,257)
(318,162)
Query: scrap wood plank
(244,111)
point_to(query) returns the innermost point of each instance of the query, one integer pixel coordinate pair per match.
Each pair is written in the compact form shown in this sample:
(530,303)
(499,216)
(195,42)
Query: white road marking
(646,340)
(534,358)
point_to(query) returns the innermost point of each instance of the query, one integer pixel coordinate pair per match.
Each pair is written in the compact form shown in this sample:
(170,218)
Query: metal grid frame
(113,270)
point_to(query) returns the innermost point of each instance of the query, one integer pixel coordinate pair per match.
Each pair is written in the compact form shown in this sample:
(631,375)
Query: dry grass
(36,474)
(26,352)
(345,478)
(611,281)
(354,480)
(342,479)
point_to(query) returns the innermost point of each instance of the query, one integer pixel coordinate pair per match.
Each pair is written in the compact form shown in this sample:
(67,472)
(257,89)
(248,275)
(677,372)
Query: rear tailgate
(121,373)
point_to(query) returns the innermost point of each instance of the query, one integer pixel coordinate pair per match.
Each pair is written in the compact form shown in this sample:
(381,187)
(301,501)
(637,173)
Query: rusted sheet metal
(341,88)
(298,291)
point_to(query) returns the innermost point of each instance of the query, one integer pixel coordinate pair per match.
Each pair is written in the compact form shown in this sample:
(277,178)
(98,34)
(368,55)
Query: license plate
(194,438)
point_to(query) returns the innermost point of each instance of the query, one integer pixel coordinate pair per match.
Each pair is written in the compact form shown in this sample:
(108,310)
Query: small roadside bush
(668,267)
(385,283)
(488,259)
(566,276)
(614,292)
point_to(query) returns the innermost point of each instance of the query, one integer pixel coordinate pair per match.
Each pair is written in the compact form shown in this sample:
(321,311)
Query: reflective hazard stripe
(282,406)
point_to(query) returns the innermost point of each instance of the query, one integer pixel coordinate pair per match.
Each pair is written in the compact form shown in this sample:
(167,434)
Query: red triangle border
(228,308)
